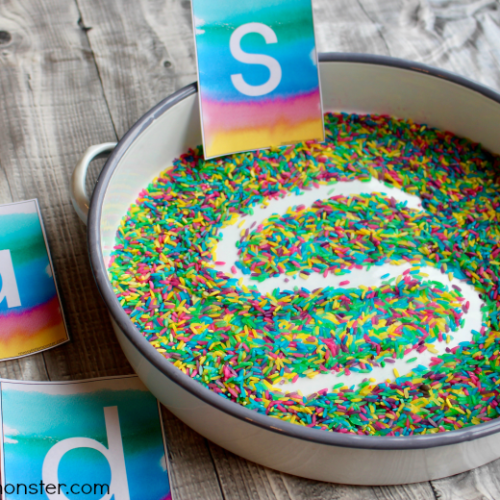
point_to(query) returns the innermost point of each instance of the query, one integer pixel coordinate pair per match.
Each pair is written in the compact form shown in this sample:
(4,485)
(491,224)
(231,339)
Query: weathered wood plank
(244,480)
(28,368)
(192,471)
(461,37)
(345,26)
(144,51)
(481,483)
(312,490)
(51,108)
(5,191)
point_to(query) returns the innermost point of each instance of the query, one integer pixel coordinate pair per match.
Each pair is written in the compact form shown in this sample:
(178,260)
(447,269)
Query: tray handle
(79,196)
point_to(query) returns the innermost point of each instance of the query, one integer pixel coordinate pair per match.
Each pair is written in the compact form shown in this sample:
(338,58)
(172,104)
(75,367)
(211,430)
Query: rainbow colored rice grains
(251,346)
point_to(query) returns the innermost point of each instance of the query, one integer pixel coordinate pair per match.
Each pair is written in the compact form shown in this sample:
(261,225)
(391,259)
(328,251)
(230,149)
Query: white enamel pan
(352,83)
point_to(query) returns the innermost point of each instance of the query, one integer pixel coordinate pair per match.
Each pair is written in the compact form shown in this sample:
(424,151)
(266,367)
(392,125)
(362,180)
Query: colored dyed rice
(242,344)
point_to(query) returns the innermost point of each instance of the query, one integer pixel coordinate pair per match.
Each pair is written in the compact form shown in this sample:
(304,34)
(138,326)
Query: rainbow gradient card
(31,319)
(257,73)
(92,439)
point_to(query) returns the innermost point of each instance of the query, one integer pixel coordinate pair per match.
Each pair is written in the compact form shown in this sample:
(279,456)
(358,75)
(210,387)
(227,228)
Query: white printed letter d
(9,289)
(114,455)
(244,57)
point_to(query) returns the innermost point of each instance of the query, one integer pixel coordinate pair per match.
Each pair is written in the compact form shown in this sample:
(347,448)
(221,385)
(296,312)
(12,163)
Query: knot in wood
(5,37)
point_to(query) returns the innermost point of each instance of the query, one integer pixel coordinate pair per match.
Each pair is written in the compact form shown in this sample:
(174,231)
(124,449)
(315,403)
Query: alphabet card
(258,74)
(31,319)
(97,439)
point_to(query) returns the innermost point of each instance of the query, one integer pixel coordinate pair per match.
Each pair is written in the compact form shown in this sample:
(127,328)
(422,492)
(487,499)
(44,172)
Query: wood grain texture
(244,480)
(345,26)
(192,472)
(144,51)
(66,85)
(460,36)
(51,108)
(482,483)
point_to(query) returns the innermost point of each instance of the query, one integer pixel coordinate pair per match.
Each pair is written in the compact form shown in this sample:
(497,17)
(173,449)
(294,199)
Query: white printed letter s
(244,57)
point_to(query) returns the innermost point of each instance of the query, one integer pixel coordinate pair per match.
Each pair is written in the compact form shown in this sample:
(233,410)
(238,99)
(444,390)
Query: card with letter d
(94,439)
(258,74)
(31,319)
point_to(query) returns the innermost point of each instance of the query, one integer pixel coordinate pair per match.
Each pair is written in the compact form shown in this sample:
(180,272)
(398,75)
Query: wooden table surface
(79,72)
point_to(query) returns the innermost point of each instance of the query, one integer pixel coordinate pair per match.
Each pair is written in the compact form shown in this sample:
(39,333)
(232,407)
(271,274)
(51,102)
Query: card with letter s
(258,74)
